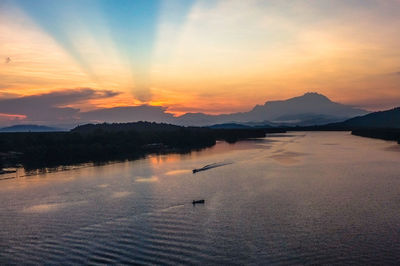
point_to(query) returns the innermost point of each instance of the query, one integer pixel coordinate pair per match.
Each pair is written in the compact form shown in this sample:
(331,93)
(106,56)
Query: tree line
(109,142)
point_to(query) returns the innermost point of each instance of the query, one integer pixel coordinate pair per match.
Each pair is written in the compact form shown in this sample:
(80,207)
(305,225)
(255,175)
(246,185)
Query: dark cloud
(8,60)
(212,107)
(48,107)
(128,114)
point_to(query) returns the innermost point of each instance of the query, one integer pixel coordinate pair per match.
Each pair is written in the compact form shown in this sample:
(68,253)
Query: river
(294,198)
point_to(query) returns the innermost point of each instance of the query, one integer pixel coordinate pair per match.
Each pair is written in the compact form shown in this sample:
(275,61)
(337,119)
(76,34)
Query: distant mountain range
(306,110)
(29,128)
(309,109)
(382,119)
(229,126)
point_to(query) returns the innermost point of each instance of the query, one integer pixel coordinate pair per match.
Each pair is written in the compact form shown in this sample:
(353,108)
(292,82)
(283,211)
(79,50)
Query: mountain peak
(314,95)
(306,98)
(311,107)
(310,98)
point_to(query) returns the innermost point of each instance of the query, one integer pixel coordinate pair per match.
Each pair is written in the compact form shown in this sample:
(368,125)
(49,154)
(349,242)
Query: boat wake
(210,166)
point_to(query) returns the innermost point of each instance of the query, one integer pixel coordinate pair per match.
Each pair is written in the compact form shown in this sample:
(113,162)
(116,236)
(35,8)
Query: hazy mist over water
(296,198)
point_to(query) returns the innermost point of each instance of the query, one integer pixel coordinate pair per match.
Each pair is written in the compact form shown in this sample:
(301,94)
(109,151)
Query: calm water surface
(298,198)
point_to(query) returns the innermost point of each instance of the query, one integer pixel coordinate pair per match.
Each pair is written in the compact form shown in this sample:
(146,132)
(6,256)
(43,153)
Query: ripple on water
(120,194)
(165,236)
(335,207)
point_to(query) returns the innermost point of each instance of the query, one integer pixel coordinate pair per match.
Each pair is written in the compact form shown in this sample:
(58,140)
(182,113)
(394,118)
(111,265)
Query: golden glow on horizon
(239,60)
(224,58)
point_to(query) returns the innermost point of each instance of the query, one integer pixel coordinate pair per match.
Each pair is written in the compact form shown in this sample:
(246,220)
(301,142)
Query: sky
(61,58)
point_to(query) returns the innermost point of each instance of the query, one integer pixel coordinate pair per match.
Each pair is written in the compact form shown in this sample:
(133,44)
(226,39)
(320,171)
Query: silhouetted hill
(309,109)
(140,126)
(382,119)
(381,125)
(161,131)
(29,128)
(105,142)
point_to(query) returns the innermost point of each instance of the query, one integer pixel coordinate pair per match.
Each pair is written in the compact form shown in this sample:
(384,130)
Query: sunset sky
(194,56)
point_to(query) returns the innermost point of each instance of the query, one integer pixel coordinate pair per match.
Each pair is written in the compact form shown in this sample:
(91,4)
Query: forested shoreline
(110,142)
(392,134)
(128,141)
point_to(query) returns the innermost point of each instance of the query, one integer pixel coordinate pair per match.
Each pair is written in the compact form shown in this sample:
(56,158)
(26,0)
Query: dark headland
(381,125)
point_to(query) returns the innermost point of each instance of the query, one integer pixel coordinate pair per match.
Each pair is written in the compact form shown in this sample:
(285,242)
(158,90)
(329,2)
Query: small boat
(208,166)
(198,202)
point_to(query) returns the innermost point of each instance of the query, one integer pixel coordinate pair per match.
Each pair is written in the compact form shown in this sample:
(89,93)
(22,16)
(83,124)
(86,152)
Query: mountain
(29,128)
(306,110)
(309,109)
(382,119)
